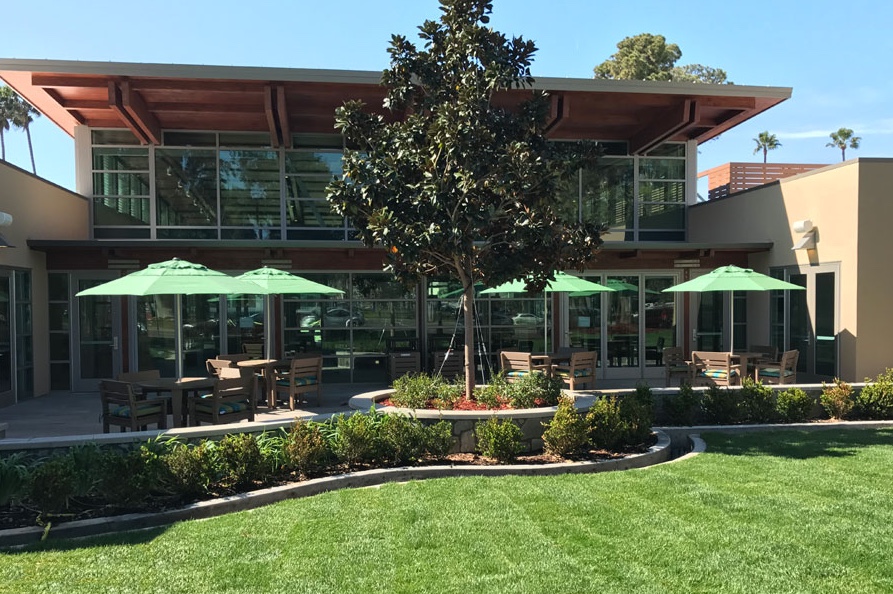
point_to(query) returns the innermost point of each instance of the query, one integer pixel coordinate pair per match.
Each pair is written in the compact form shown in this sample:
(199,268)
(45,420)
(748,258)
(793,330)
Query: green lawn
(772,512)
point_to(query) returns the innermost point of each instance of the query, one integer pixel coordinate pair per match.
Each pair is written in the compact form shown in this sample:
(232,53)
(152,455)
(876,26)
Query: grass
(771,512)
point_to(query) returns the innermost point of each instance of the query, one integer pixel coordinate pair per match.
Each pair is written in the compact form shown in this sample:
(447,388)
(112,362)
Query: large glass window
(60,331)
(307,173)
(121,187)
(249,193)
(607,192)
(186,191)
(24,334)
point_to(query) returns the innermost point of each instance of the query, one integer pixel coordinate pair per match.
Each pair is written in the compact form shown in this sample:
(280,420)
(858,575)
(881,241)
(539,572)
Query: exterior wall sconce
(807,241)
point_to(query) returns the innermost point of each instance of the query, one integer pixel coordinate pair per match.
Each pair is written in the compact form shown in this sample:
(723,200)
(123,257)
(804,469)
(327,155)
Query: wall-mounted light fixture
(807,242)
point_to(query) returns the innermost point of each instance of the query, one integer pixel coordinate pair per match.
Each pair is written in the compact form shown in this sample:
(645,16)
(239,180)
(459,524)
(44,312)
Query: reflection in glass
(608,190)
(186,187)
(5,335)
(623,325)
(660,319)
(798,314)
(156,333)
(249,190)
(585,320)
(244,322)
(825,328)
(201,332)
(711,321)
(95,331)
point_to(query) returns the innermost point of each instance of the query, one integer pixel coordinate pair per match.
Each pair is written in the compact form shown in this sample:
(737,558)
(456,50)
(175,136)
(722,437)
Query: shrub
(305,449)
(240,461)
(402,439)
(414,390)
(567,432)
(193,468)
(875,400)
(355,438)
(124,478)
(683,407)
(637,415)
(496,393)
(439,439)
(722,406)
(794,405)
(51,486)
(13,479)
(757,402)
(605,424)
(837,399)
(500,440)
(85,461)
(535,389)
(272,448)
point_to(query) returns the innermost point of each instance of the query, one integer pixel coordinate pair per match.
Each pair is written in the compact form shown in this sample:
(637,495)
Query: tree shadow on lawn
(798,444)
(132,537)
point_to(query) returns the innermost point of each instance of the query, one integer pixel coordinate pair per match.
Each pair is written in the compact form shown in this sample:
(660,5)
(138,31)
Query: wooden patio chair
(579,372)
(517,364)
(768,353)
(254,350)
(128,408)
(215,365)
(714,368)
(232,400)
(783,372)
(303,376)
(675,365)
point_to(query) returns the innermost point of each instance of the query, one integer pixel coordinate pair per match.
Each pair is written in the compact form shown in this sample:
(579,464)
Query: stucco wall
(40,210)
(850,205)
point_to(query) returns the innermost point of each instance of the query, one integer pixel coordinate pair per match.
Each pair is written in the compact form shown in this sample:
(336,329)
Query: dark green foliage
(637,412)
(757,401)
(794,405)
(722,406)
(272,447)
(84,461)
(650,57)
(567,432)
(126,478)
(240,460)
(193,468)
(439,439)
(457,185)
(355,438)
(402,438)
(837,399)
(494,394)
(13,478)
(416,390)
(499,439)
(535,389)
(875,400)
(605,424)
(306,449)
(52,484)
(682,408)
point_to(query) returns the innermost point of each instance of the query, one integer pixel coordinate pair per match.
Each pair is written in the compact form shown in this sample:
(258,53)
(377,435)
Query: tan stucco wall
(850,206)
(40,210)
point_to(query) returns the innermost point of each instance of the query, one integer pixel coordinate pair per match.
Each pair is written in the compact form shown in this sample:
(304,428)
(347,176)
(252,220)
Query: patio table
(267,368)
(179,388)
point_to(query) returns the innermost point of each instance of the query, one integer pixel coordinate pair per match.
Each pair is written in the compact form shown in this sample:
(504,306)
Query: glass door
(96,336)
(711,321)
(812,319)
(7,395)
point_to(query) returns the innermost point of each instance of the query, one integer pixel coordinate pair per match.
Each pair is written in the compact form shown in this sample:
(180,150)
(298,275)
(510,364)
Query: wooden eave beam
(116,104)
(139,111)
(270,112)
(559,110)
(672,121)
(282,113)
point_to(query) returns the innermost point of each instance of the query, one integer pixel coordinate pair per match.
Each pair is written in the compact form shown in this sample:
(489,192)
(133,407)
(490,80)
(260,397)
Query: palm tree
(22,117)
(766,142)
(7,98)
(841,138)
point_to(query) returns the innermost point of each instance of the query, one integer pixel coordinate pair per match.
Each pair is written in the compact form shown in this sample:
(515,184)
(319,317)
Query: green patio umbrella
(272,281)
(563,283)
(172,277)
(732,278)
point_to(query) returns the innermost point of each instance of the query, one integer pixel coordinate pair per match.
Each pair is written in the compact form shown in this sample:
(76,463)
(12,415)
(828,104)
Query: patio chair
(303,376)
(714,368)
(517,364)
(215,365)
(232,400)
(254,350)
(783,372)
(129,409)
(675,365)
(580,372)
(449,364)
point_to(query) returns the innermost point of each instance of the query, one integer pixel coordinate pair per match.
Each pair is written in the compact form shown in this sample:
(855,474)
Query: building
(226,166)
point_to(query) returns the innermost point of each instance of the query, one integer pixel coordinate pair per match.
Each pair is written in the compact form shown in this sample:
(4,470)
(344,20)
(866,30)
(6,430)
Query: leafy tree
(650,57)
(766,142)
(15,111)
(452,184)
(843,138)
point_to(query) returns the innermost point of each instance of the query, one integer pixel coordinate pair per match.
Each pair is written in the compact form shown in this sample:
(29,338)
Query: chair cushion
(225,408)
(518,373)
(774,372)
(716,373)
(299,381)
(585,372)
(141,410)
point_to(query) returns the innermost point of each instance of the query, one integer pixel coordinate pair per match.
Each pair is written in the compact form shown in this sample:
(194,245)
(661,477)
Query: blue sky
(835,55)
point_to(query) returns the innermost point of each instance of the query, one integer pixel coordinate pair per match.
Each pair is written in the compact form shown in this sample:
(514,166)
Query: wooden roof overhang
(150,98)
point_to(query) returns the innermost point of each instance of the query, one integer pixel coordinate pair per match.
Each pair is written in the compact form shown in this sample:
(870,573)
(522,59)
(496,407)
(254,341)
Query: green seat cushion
(225,407)
(150,408)
(299,381)
(585,372)
(716,373)
(775,371)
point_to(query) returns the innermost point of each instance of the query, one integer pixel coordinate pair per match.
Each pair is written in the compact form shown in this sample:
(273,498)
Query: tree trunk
(31,150)
(843,153)
(2,145)
(468,310)
(765,154)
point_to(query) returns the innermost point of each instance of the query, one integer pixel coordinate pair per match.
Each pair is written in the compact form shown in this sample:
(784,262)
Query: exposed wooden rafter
(559,109)
(270,112)
(116,103)
(282,112)
(671,121)
(140,113)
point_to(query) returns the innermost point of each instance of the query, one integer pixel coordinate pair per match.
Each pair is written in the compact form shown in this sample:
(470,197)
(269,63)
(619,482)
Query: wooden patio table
(179,389)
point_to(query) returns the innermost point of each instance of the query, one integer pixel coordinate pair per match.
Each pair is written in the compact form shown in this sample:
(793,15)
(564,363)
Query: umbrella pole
(268,326)
(178,335)
(731,321)
(545,323)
